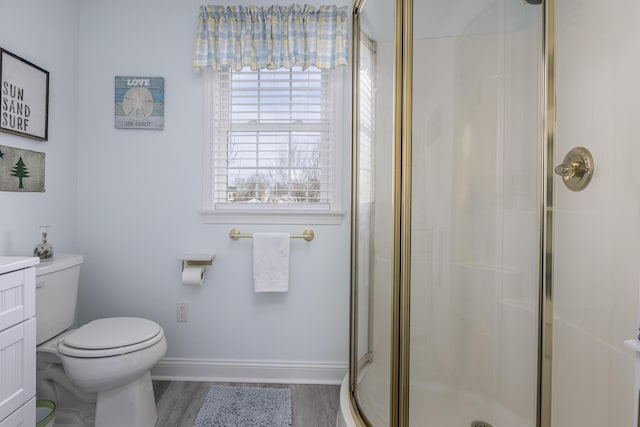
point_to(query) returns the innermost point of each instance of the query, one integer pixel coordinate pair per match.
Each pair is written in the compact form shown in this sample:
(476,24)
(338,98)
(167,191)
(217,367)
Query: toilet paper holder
(189,260)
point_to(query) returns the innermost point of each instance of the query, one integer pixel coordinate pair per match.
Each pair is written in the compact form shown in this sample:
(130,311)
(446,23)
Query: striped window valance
(271,37)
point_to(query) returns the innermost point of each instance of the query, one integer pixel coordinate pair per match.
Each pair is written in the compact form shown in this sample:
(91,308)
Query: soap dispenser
(43,250)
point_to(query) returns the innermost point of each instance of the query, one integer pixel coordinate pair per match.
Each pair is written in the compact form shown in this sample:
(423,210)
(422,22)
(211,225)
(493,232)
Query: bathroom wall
(597,252)
(45,33)
(139,196)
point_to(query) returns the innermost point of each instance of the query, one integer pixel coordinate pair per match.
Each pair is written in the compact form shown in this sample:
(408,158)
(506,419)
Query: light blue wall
(128,200)
(139,196)
(45,33)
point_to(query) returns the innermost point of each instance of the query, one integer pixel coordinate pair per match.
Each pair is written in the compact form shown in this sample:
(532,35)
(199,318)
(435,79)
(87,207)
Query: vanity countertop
(12,263)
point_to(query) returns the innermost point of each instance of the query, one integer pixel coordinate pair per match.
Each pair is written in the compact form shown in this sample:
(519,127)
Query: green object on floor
(45,413)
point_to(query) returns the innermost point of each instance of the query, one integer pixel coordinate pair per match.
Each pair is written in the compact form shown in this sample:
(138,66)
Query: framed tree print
(21,170)
(24,97)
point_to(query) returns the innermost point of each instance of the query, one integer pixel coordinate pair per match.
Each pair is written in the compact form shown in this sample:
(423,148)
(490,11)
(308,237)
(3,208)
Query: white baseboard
(249,371)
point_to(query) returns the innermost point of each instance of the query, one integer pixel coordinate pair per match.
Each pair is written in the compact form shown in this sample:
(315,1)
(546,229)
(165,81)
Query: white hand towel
(271,262)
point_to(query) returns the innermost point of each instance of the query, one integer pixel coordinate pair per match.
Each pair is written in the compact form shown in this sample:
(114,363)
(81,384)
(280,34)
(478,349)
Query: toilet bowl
(100,372)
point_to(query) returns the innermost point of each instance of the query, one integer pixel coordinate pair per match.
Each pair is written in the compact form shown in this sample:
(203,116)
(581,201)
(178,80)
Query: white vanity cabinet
(17,341)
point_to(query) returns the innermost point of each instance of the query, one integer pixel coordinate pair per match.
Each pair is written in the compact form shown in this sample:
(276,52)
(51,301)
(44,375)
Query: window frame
(216,213)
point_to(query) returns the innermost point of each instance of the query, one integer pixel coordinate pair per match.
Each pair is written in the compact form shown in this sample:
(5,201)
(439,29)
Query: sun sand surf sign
(24,97)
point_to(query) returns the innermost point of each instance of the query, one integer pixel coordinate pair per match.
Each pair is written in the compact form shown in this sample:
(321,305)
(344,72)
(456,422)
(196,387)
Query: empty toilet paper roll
(193,276)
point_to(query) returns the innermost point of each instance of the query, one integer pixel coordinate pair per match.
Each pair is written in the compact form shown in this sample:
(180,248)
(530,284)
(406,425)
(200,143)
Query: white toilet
(99,373)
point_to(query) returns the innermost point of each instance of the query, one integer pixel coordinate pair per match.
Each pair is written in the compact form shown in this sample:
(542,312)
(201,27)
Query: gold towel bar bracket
(307,235)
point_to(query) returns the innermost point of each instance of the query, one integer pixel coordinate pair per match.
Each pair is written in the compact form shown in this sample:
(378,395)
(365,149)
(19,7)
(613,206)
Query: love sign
(139,102)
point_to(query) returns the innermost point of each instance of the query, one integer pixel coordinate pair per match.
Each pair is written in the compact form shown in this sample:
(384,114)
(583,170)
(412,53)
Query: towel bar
(307,235)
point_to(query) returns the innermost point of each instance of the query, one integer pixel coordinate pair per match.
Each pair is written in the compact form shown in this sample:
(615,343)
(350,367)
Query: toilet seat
(111,337)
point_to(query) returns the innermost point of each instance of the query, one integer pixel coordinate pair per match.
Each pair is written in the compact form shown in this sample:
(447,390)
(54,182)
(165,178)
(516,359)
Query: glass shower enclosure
(446,212)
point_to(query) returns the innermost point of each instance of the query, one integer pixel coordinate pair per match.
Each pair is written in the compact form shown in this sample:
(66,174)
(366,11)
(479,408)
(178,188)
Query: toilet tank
(56,295)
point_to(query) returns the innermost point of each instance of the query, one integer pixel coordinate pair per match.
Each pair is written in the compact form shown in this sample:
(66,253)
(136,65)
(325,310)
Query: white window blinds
(366,117)
(272,138)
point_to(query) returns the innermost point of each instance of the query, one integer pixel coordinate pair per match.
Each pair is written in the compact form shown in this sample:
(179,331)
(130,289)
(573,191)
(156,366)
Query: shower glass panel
(475,213)
(371,352)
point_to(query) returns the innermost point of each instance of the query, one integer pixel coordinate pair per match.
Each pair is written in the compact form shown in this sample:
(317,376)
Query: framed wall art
(139,102)
(24,97)
(21,170)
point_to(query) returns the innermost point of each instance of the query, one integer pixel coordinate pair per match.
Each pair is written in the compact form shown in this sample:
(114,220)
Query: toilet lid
(112,332)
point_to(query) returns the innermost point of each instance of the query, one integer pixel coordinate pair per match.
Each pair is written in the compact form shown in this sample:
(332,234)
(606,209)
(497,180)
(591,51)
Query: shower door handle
(569,170)
(577,169)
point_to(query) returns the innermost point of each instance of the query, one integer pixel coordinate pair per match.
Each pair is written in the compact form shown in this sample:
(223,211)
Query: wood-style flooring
(178,403)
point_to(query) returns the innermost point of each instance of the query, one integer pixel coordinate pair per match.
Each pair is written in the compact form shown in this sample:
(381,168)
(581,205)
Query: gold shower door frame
(401,198)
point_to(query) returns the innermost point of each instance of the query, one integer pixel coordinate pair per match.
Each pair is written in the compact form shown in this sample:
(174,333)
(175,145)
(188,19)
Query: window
(273,145)
(366,117)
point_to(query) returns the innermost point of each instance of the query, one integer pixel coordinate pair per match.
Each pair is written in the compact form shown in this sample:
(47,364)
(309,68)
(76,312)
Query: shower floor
(431,404)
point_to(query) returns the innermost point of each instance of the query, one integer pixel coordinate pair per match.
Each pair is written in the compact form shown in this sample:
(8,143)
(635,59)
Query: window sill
(271,216)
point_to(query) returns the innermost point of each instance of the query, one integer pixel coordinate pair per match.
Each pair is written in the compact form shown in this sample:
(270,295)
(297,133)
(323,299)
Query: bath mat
(241,406)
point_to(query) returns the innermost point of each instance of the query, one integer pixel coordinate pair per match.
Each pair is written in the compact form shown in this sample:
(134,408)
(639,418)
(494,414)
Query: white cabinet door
(17,297)
(23,417)
(17,366)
